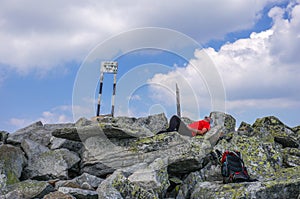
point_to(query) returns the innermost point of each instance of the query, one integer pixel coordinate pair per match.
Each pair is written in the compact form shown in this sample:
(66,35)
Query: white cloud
(276,103)
(18,122)
(135,97)
(60,114)
(285,43)
(259,72)
(62,31)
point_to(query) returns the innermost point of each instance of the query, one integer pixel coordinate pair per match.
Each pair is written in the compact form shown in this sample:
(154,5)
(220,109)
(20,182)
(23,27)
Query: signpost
(110,67)
(178,101)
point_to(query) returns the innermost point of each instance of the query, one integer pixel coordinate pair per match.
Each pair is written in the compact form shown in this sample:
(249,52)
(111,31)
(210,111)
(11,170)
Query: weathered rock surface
(51,164)
(125,158)
(36,132)
(84,181)
(12,161)
(28,189)
(3,137)
(79,193)
(58,195)
(281,133)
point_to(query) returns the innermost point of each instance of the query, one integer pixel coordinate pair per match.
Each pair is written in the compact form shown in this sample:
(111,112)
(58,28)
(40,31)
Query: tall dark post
(178,101)
(113,96)
(100,93)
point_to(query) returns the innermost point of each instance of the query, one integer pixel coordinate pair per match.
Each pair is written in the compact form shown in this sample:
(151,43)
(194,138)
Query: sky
(240,57)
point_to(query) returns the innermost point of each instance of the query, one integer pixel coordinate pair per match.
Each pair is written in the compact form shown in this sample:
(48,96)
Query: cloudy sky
(248,57)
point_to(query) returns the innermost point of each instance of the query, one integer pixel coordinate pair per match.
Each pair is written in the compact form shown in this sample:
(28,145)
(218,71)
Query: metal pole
(100,93)
(178,101)
(113,95)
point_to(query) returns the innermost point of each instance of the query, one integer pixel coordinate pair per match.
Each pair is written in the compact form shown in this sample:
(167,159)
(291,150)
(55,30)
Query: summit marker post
(178,101)
(110,67)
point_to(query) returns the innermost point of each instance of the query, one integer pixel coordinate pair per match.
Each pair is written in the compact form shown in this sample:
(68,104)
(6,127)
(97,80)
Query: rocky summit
(124,157)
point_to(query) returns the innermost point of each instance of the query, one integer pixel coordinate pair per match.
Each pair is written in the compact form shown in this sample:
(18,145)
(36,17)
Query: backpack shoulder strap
(239,157)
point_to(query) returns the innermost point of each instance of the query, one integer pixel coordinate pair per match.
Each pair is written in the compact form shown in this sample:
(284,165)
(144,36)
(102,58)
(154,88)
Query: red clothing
(200,125)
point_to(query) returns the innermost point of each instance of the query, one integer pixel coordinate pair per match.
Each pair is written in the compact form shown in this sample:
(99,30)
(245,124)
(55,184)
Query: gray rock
(58,195)
(224,120)
(291,157)
(3,137)
(3,182)
(154,178)
(28,189)
(102,157)
(52,127)
(259,154)
(58,143)
(124,127)
(81,181)
(282,134)
(84,122)
(106,190)
(142,126)
(286,185)
(118,186)
(139,164)
(214,134)
(12,161)
(79,193)
(67,133)
(246,129)
(61,160)
(32,148)
(36,132)
(26,132)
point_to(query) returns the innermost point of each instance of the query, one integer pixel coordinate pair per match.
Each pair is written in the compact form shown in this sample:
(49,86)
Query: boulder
(83,181)
(138,163)
(259,153)
(32,148)
(28,189)
(224,120)
(102,157)
(285,185)
(106,189)
(282,134)
(291,157)
(61,161)
(67,133)
(210,172)
(58,143)
(84,122)
(118,186)
(12,161)
(246,129)
(36,132)
(58,195)
(153,178)
(125,127)
(119,128)
(3,137)
(79,193)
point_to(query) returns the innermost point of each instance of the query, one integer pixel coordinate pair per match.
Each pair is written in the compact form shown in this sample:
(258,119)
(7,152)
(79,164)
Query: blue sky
(250,48)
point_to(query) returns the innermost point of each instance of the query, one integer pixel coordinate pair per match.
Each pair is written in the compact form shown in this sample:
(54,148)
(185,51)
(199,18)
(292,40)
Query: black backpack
(233,168)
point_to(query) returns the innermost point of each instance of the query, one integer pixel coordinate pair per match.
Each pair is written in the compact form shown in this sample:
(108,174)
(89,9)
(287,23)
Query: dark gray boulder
(28,189)
(83,181)
(36,132)
(282,134)
(51,165)
(12,161)
(3,137)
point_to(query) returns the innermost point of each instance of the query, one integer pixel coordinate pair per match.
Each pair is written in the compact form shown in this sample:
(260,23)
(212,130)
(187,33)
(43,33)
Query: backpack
(233,168)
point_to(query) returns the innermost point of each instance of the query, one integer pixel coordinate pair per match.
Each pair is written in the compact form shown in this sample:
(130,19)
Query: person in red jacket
(196,128)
